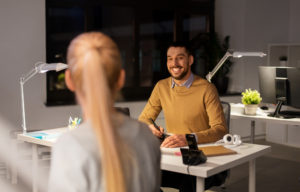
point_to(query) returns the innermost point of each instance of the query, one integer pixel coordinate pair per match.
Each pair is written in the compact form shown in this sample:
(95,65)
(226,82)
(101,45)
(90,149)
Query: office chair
(226,110)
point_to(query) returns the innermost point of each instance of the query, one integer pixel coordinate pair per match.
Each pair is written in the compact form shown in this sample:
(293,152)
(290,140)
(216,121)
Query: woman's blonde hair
(95,65)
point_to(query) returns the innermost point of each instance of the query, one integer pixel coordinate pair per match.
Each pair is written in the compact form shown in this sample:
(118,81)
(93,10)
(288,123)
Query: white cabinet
(290,51)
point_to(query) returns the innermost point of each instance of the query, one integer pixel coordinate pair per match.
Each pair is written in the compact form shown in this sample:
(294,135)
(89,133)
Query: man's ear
(191,60)
(69,81)
(121,79)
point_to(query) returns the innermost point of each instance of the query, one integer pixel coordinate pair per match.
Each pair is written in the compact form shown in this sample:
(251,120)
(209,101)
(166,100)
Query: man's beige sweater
(196,109)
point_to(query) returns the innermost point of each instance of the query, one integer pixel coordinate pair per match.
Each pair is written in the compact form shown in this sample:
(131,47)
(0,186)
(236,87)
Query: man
(190,105)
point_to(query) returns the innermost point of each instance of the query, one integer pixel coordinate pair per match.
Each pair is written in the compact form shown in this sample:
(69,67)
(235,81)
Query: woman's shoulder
(136,127)
(138,131)
(80,139)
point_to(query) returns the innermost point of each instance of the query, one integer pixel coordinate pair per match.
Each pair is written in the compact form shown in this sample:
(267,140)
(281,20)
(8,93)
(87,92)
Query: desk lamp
(40,67)
(235,55)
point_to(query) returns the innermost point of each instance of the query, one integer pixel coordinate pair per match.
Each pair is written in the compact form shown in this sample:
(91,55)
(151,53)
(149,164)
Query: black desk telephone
(192,155)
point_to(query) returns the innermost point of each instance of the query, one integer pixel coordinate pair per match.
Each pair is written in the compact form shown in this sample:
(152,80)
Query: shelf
(291,51)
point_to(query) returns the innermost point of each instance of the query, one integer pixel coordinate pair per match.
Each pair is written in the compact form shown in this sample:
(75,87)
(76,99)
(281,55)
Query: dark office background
(142,30)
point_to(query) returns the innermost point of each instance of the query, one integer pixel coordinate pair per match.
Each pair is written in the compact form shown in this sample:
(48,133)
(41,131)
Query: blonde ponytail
(95,61)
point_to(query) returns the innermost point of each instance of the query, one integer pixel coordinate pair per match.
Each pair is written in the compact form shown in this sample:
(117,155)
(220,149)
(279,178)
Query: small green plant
(251,97)
(60,84)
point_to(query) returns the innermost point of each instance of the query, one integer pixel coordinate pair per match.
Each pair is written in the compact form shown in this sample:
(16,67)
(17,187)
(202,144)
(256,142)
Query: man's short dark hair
(184,44)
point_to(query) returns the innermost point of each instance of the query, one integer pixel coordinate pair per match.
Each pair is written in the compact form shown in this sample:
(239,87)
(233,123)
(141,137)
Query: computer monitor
(280,85)
(267,89)
(293,75)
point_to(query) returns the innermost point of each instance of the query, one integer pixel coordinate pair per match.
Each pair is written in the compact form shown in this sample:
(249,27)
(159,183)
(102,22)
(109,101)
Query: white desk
(35,143)
(44,142)
(246,153)
(237,111)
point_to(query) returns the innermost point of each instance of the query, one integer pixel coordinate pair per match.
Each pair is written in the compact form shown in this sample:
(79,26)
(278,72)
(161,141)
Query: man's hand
(174,141)
(156,132)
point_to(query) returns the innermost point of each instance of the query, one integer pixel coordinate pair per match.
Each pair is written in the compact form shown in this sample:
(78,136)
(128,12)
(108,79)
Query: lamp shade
(45,67)
(251,54)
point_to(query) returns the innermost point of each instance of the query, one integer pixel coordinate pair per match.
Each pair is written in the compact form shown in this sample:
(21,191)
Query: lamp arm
(26,77)
(23,80)
(23,106)
(210,75)
(40,67)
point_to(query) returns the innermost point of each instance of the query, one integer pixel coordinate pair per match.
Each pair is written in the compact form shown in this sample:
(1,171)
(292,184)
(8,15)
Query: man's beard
(181,76)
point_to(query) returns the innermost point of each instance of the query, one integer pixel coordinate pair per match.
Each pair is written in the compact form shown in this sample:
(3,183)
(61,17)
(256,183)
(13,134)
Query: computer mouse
(264,107)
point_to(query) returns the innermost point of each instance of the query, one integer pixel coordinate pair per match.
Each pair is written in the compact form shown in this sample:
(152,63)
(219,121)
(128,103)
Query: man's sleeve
(216,119)
(152,108)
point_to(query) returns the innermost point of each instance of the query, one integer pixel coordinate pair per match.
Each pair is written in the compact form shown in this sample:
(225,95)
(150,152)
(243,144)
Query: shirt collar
(187,83)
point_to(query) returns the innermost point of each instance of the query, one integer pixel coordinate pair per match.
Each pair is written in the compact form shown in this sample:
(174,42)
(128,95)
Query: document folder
(216,150)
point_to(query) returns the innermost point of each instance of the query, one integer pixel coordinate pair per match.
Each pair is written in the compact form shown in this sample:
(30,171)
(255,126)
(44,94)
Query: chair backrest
(226,110)
(124,110)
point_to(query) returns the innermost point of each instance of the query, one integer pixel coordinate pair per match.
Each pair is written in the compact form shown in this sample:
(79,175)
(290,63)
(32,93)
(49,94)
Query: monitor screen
(293,75)
(267,89)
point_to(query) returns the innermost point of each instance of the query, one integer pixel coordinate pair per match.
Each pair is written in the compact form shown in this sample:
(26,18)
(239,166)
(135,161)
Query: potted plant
(283,60)
(251,99)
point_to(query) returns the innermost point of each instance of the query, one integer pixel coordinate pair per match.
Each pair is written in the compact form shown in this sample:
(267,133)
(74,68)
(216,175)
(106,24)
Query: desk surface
(49,140)
(245,153)
(237,111)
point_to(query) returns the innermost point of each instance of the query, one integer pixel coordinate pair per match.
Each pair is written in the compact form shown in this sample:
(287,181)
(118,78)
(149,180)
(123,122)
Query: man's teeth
(176,69)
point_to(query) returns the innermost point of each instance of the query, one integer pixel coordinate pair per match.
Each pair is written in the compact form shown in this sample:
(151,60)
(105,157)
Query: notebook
(209,151)
(216,150)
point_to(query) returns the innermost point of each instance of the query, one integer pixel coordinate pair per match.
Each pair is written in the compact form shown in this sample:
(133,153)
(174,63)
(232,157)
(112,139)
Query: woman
(109,151)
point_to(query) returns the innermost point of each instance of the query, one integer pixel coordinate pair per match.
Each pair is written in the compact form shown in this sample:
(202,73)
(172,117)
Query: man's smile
(176,69)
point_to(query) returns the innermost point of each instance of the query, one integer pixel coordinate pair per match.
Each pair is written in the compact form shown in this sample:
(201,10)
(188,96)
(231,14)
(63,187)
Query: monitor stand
(277,113)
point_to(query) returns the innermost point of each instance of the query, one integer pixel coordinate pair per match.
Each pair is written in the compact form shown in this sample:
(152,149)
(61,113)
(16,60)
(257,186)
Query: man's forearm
(210,135)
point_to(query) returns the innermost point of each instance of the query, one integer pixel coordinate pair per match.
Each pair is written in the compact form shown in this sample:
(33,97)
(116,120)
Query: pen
(79,120)
(157,127)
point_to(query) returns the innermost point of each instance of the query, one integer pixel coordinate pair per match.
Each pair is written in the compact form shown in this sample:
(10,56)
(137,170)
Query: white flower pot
(251,109)
(283,63)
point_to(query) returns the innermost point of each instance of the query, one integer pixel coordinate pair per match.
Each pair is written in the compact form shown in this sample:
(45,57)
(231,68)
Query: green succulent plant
(251,97)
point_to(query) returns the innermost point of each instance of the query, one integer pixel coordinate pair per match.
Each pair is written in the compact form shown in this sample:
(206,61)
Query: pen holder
(192,157)
(73,123)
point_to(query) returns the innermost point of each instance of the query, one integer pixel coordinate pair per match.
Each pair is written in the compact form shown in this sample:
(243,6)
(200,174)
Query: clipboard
(210,151)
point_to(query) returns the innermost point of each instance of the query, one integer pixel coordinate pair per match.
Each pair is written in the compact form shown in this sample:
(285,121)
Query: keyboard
(290,114)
